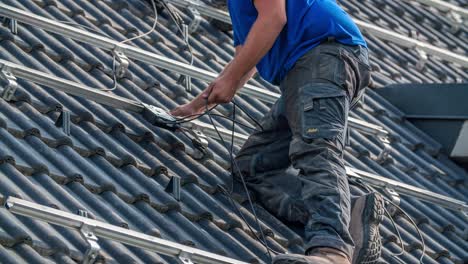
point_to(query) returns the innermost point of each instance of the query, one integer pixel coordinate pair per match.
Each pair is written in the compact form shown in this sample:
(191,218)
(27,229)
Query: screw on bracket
(87,232)
(12,84)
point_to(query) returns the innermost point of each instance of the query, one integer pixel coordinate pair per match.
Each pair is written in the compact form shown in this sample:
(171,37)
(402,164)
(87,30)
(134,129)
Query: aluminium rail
(115,233)
(156,60)
(98,96)
(444,6)
(101,97)
(376,31)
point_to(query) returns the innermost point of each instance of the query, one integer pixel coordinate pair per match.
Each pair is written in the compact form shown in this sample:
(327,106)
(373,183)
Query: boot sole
(372,244)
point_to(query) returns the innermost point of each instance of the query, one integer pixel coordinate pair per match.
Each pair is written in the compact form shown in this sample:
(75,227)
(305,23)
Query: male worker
(316,54)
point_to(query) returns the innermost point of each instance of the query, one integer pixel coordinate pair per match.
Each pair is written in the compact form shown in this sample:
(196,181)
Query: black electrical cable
(236,122)
(248,114)
(236,166)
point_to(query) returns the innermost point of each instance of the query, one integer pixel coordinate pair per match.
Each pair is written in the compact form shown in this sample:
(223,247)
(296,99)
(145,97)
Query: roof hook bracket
(12,23)
(64,121)
(12,84)
(187,80)
(123,61)
(423,58)
(393,195)
(173,187)
(386,151)
(457,20)
(199,139)
(184,258)
(87,232)
(196,16)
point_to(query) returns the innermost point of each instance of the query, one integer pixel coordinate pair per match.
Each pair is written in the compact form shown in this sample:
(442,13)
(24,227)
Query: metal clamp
(184,258)
(423,58)
(87,233)
(196,16)
(123,61)
(12,84)
(393,195)
(386,151)
(457,21)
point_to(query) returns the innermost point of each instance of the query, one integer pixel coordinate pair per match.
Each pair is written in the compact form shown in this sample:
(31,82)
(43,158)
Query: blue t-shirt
(309,23)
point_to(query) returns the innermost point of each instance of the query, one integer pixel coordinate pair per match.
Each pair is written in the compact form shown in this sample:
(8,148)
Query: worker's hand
(221,90)
(186,110)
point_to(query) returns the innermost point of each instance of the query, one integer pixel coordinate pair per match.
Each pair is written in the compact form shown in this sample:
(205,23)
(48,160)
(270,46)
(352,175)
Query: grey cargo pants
(306,128)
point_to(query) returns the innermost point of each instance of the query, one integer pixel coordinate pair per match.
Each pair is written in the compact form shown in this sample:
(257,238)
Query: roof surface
(115,165)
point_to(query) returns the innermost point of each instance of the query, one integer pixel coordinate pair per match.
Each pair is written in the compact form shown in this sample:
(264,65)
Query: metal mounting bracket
(201,137)
(64,121)
(184,258)
(187,80)
(12,23)
(423,58)
(87,233)
(173,187)
(196,16)
(393,195)
(457,20)
(386,151)
(123,61)
(12,84)
(199,141)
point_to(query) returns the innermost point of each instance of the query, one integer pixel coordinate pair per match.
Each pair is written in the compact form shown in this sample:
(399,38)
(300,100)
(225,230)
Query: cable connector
(160,117)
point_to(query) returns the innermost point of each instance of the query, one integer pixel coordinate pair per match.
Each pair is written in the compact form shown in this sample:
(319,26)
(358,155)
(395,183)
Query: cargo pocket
(325,111)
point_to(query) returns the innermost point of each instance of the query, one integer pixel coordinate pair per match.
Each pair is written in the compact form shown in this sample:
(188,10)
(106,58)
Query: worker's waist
(331,44)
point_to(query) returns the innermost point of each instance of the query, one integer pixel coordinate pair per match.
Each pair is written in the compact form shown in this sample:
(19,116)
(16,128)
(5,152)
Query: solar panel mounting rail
(185,254)
(444,6)
(105,98)
(156,60)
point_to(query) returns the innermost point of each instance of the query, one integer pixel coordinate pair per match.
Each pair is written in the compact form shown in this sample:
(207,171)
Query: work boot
(366,215)
(315,256)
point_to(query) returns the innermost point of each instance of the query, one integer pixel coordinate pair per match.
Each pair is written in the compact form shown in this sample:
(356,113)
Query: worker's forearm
(199,102)
(247,77)
(261,38)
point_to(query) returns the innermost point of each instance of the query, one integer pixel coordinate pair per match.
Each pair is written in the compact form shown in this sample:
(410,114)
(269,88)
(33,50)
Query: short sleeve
(235,38)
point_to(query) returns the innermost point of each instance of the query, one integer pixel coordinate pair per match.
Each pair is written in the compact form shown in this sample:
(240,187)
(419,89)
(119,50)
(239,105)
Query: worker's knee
(319,152)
